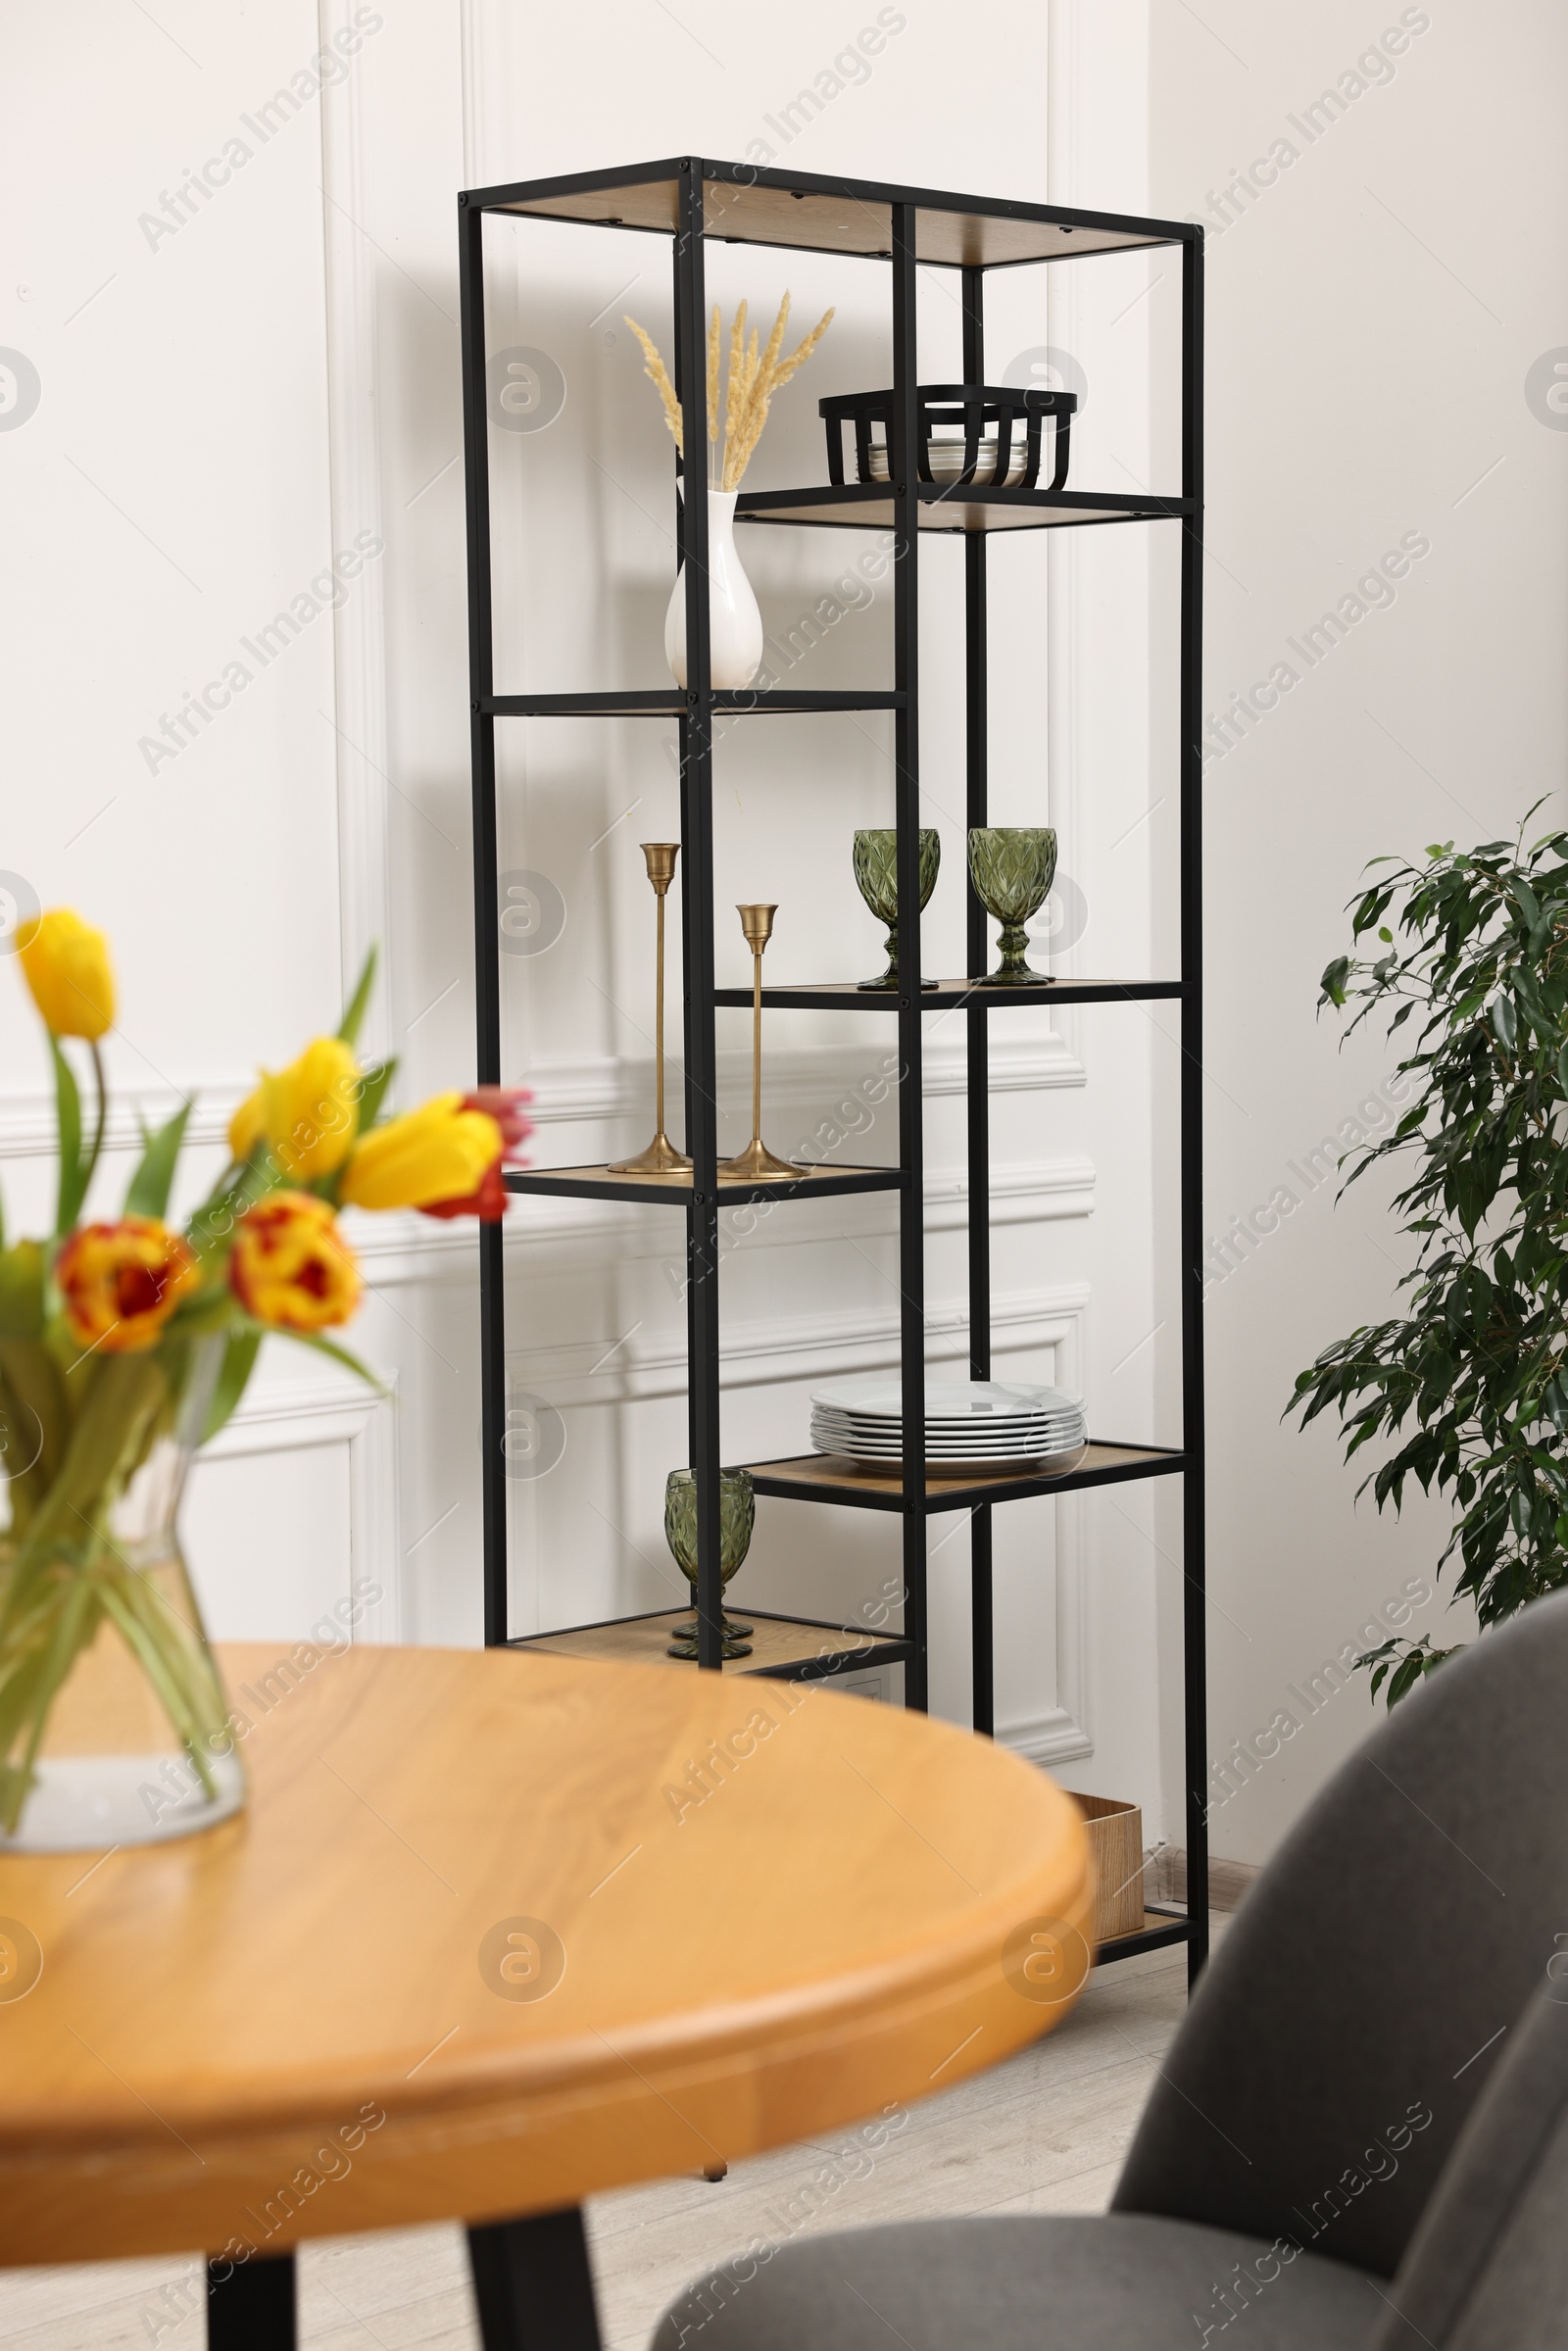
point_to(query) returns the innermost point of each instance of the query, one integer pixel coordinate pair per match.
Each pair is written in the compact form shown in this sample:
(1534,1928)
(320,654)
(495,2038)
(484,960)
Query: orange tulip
(120,1283)
(291,1267)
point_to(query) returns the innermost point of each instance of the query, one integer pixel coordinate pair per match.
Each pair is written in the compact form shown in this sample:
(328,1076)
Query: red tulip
(488,1202)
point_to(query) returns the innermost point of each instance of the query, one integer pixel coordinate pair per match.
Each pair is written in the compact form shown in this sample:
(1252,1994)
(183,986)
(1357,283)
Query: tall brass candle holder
(757,1160)
(660,1158)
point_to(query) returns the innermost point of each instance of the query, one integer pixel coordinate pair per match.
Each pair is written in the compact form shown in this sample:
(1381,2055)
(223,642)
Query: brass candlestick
(757,1160)
(660,1158)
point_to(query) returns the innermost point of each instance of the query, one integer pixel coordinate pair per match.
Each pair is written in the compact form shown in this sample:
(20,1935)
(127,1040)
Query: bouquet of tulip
(126,1344)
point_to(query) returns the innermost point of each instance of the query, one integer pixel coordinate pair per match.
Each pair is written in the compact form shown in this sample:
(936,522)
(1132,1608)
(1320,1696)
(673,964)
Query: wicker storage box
(1116,1842)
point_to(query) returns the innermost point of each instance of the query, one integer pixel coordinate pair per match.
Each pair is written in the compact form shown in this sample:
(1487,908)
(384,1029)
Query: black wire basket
(1000,446)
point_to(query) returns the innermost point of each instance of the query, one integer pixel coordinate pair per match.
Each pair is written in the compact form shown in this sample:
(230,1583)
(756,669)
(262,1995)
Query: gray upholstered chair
(1359,2135)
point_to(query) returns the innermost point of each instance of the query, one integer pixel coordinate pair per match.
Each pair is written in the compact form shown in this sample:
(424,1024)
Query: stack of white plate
(969,1424)
(947,458)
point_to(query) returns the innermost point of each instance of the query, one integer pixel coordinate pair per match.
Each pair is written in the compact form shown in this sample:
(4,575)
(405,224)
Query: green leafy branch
(1472,1378)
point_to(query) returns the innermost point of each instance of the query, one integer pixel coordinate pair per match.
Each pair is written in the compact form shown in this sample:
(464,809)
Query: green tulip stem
(103,1115)
(76,1614)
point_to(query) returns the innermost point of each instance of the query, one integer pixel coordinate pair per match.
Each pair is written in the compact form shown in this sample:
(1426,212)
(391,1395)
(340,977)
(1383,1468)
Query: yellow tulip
(245,1127)
(307,1114)
(66,964)
(439,1152)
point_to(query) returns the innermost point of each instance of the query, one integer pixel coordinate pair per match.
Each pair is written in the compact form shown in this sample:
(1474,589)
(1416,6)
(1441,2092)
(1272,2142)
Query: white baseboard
(1047,1738)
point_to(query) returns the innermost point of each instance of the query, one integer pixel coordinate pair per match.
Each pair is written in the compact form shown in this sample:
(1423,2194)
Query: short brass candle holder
(660,1158)
(757,1160)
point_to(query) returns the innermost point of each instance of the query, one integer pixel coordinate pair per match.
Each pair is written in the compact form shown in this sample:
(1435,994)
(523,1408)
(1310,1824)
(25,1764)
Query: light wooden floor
(1044,2133)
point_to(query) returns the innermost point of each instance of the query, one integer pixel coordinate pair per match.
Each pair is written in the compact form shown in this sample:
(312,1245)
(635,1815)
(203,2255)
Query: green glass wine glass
(876,873)
(737,1509)
(1012,868)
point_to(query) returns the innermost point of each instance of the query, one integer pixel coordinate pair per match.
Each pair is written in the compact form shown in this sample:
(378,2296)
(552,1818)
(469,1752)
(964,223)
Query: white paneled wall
(230,401)
(271,1564)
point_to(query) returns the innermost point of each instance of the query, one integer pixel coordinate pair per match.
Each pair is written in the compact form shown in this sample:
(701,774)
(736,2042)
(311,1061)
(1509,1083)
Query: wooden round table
(496,1932)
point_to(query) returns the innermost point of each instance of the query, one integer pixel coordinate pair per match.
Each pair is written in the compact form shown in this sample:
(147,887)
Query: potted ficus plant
(126,1344)
(1471,1380)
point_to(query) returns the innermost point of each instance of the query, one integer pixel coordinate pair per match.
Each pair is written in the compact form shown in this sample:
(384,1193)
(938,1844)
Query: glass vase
(114,1725)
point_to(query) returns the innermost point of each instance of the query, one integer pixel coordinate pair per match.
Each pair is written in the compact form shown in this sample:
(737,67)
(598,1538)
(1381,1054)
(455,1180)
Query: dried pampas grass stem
(659,377)
(751,380)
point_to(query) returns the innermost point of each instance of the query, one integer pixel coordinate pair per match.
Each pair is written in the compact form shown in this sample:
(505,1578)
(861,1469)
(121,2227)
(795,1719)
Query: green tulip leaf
(239,1361)
(154,1178)
(349,1025)
(323,1345)
(378,1078)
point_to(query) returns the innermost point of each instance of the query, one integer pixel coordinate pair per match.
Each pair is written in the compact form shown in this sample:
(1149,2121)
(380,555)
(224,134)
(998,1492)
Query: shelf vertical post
(1194,1604)
(906,818)
(486,910)
(695,729)
(976,948)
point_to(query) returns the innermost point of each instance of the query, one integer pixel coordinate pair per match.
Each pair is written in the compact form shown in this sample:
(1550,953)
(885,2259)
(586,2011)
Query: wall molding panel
(359,718)
(799,1081)
(279,1421)
(762,1353)
(577,1236)
(27,1118)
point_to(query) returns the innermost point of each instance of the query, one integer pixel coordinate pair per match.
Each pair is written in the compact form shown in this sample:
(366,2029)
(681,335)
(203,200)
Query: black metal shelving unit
(692,201)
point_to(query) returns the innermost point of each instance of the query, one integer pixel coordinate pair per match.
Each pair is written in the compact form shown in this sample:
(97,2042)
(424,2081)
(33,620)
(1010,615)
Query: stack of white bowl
(969,1424)
(948,459)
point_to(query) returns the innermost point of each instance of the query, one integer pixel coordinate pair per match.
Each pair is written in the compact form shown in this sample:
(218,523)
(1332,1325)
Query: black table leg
(533,2283)
(250,2304)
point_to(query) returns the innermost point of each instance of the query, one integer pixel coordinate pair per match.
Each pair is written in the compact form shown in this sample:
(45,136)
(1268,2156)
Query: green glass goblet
(876,873)
(737,1507)
(1012,868)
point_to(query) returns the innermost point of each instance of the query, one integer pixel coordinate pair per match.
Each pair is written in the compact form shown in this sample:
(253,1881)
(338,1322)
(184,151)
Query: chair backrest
(1355,2010)
(1486,2268)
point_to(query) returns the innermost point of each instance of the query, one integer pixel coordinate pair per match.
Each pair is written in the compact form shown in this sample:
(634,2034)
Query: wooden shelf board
(828,1478)
(606,1183)
(1160,1929)
(846,996)
(811,213)
(868,505)
(670,702)
(795,1648)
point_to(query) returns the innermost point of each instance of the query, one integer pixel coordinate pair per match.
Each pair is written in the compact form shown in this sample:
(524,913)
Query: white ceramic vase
(735,626)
